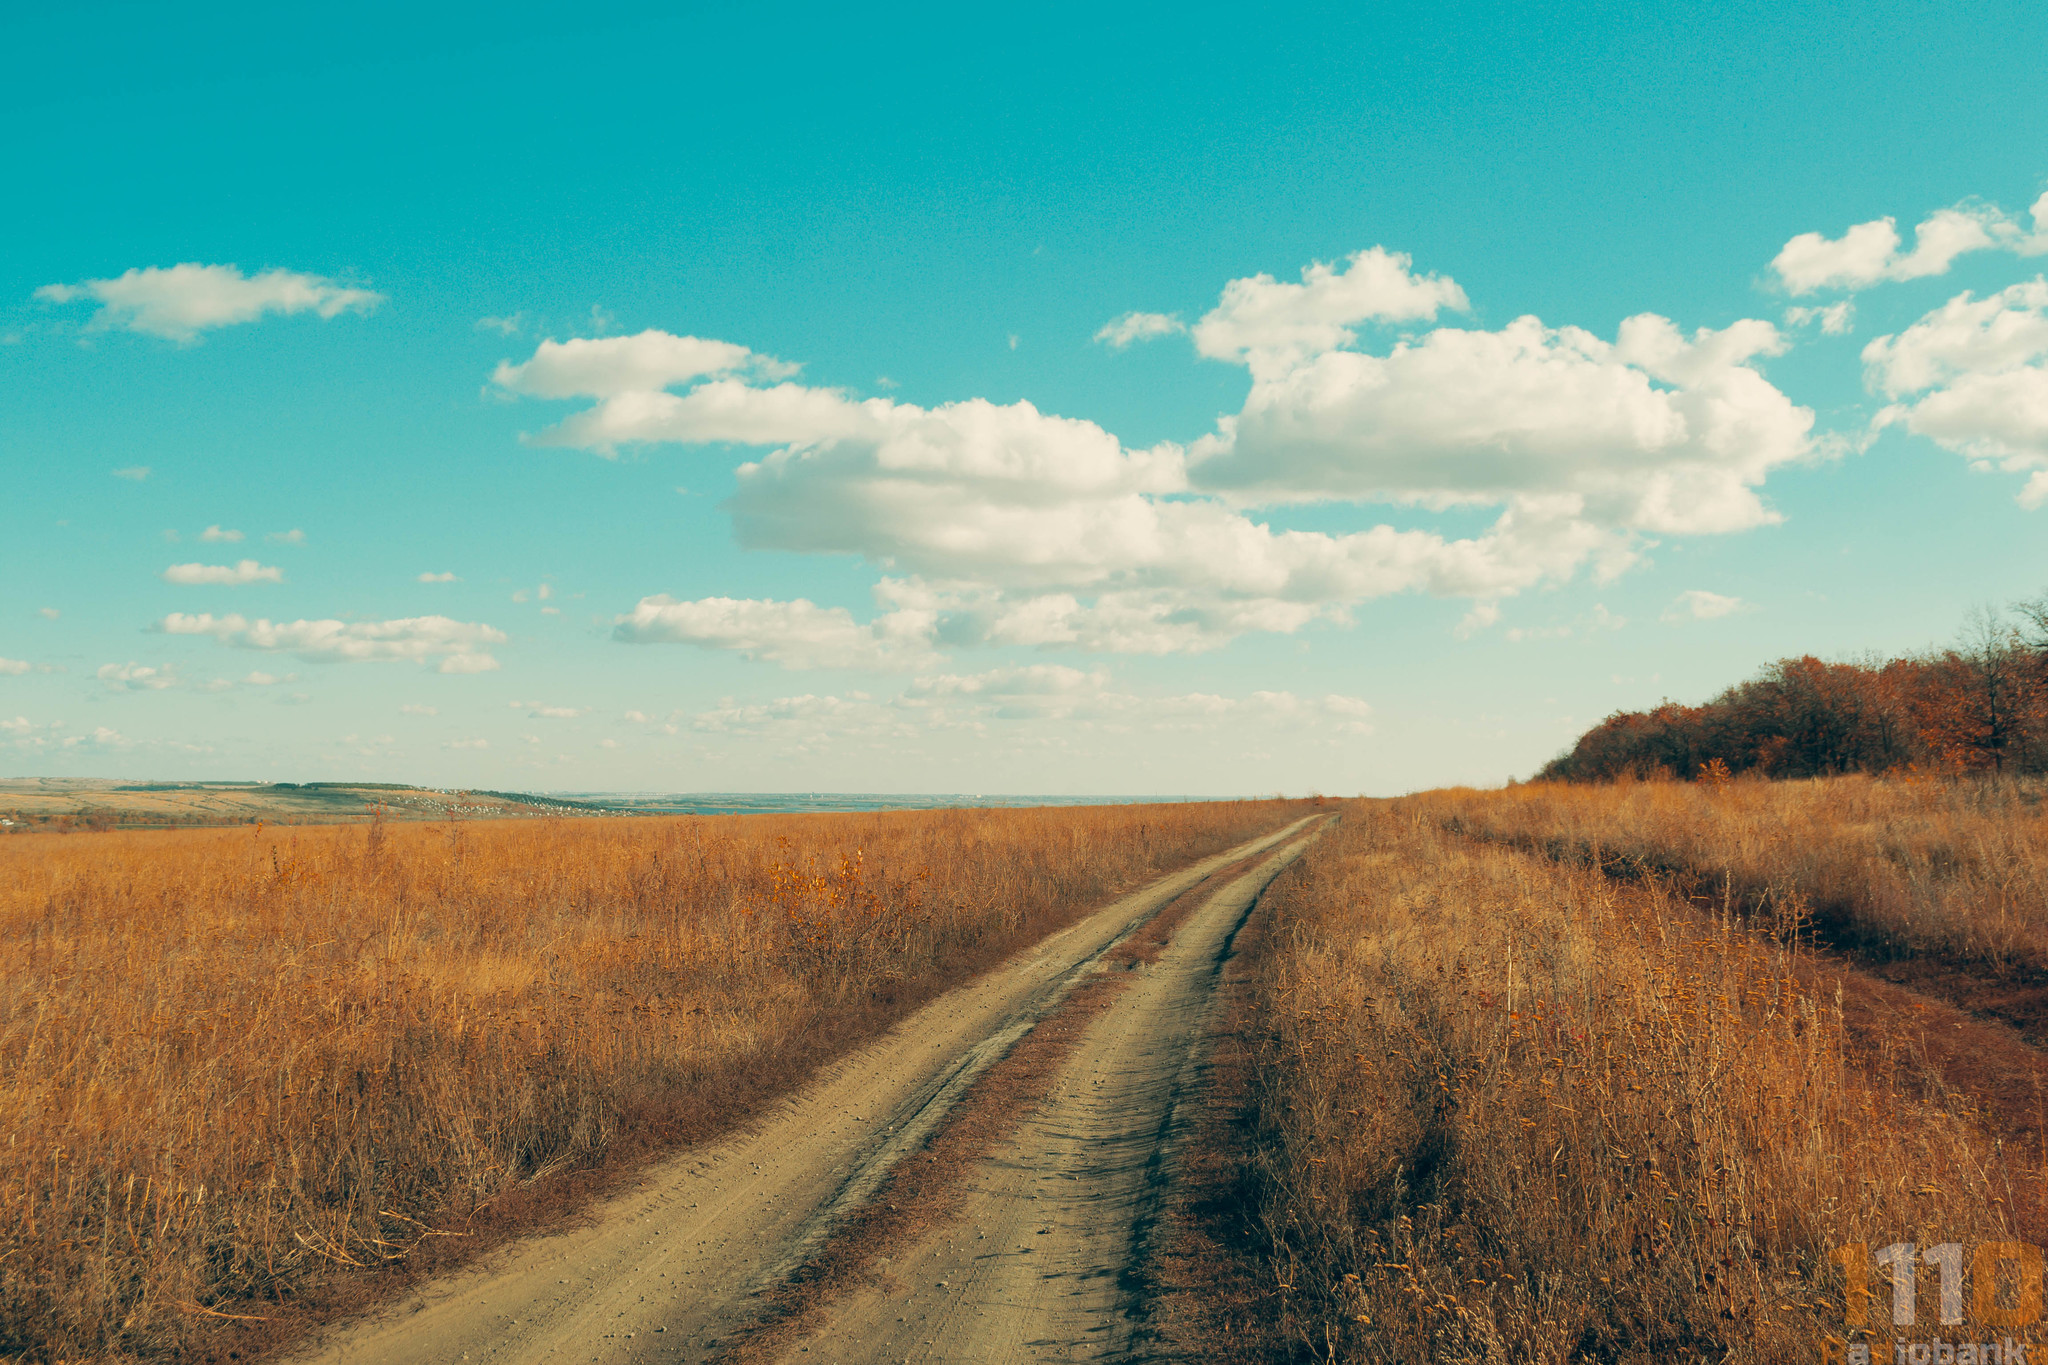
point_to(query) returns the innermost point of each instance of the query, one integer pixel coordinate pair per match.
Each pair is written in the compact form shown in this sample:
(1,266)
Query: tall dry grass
(1513,1111)
(1955,870)
(241,1068)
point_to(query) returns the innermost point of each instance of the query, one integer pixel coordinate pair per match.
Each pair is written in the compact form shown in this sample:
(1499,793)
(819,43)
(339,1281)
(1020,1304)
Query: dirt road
(1042,1264)
(662,1272)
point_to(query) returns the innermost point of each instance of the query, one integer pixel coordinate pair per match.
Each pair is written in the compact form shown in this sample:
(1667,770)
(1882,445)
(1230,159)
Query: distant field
(38,802)
(65,803)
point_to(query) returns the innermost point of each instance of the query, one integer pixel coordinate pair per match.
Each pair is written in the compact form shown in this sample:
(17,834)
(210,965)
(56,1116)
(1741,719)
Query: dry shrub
(1512,1111)
(1950,869)
(243,1067)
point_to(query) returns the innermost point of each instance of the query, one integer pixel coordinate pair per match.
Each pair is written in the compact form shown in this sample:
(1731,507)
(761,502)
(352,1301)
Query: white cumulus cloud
(1869,253)
(1972,376)
(999,523)
(600,367)
(437,578)
(456,644)
(229,575)
(1655,431)
(216,534)
(797,634)
(181,301)
(1268,323)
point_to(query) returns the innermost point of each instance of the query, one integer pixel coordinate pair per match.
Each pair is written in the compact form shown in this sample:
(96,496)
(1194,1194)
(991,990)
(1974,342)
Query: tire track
(1045,1260)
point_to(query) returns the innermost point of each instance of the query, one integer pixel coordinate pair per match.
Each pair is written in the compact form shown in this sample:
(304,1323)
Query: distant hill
(41,803)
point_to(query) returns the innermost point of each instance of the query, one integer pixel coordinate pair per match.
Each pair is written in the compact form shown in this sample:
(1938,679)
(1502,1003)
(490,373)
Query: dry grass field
(1950,870)
(248,1069)
(1510,1109)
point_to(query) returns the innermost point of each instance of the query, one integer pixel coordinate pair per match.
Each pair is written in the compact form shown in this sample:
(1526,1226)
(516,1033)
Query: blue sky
(695,347)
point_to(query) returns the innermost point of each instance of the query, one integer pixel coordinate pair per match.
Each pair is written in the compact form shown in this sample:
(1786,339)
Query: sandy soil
(663,1271)
(1047,1260)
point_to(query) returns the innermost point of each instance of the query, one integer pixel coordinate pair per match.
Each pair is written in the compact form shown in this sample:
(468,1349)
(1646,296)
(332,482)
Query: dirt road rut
(1043,1263)
(662,1272)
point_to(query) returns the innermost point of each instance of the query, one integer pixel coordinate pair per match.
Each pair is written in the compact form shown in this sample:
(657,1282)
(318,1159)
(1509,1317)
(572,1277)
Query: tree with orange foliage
(1981,705)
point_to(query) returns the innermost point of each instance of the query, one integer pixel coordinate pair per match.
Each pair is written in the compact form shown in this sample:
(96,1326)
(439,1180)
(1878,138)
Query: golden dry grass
(243,1067)
(1952,869)
(1516,1111)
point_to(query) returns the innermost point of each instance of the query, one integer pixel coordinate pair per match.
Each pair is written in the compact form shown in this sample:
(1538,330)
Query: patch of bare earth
(1211,1288)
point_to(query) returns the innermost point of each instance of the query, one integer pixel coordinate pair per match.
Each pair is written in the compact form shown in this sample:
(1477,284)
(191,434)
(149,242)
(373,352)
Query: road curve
(1044,1261)
(661,1272)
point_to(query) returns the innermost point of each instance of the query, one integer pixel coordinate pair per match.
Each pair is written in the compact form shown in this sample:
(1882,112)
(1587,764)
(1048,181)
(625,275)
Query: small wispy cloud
(292,537)
(537,710)
(1120,332)
(1837,319)
(223,575)
(216,535)
(1697,604)
(457,644)
(415,709)
(181,301)
(1482,616)
(135,473)
(437,578)
(135,677)
(505,326)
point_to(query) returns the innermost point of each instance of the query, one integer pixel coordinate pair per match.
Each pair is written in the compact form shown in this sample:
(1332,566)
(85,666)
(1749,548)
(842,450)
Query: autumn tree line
(1980,705)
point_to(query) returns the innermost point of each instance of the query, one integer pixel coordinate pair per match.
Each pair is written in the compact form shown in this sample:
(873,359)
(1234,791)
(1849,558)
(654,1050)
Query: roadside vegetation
(1514,1109)
(251,1073)
(1953,872)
